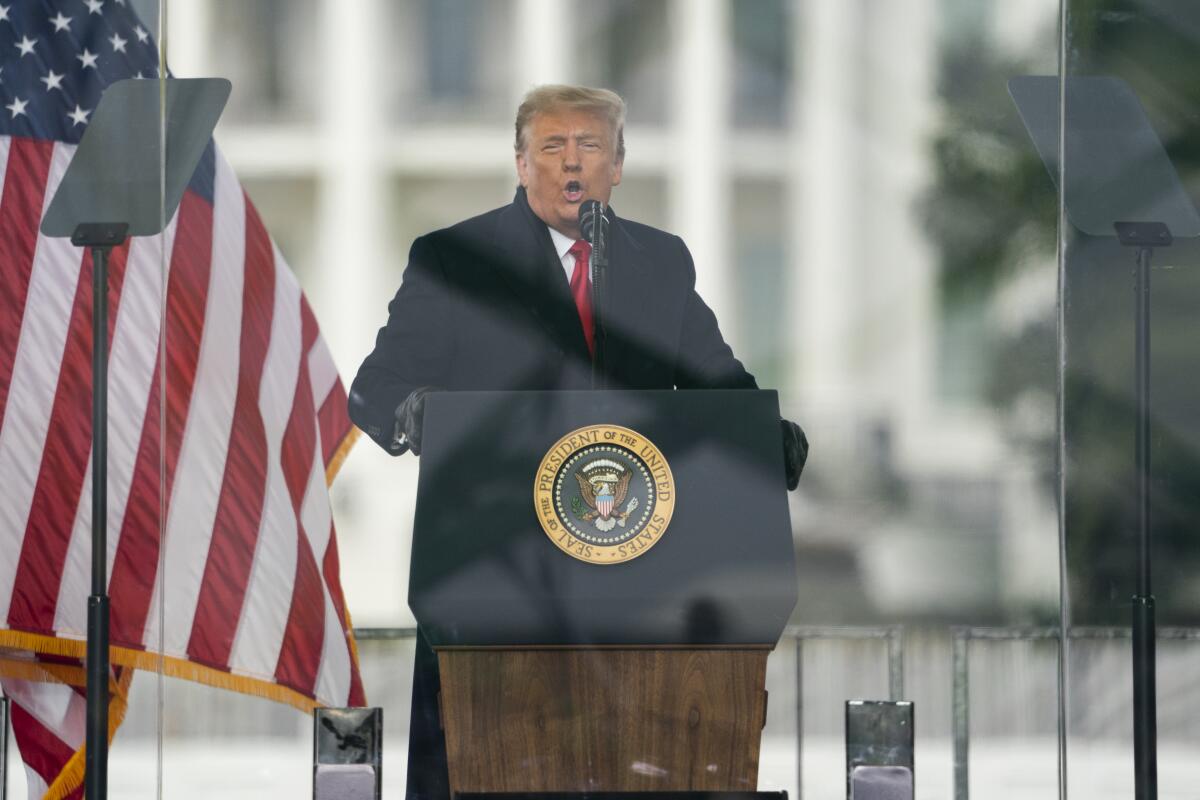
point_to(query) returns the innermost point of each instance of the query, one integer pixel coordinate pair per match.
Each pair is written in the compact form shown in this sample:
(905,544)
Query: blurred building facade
(831,165)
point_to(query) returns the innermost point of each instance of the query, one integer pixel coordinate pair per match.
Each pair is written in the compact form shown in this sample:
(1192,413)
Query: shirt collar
(562,243)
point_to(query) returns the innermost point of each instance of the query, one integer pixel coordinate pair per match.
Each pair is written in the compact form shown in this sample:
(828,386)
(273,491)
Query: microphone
(594,227)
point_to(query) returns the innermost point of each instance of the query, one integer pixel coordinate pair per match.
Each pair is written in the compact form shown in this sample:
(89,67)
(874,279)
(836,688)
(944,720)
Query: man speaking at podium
(504,302)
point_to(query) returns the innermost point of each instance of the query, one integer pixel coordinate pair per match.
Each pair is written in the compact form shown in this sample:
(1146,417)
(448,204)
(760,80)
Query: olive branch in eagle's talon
(577,510)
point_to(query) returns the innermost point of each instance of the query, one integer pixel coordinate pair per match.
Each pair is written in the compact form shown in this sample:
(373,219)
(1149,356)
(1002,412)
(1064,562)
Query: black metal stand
(1145,236)
(101,238)
(599,267)
(593,226)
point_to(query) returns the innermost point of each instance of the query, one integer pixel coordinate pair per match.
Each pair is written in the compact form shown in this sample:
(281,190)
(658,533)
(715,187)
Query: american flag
(220,447)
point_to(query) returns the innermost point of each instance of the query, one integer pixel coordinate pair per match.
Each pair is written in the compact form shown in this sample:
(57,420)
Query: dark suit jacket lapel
(534,274)
(630,291)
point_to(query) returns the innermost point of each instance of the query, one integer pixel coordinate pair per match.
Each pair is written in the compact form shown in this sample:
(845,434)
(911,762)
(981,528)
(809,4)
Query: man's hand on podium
(795,452)
(410,417)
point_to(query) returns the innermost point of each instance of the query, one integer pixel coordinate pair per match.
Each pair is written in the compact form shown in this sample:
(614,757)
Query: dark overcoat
(486,305)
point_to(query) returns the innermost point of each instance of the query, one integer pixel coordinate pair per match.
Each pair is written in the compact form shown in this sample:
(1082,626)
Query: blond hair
(604,103)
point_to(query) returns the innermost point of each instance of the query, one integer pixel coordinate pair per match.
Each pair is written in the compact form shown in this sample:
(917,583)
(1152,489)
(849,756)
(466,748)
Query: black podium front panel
(484,572)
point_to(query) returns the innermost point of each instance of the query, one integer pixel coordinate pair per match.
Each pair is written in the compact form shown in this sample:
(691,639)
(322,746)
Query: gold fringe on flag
(152,662)
(71,776)
(339,455)
(26,669)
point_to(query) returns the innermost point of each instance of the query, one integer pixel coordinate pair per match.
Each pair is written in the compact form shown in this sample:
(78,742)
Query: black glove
(795,452)
(410,418)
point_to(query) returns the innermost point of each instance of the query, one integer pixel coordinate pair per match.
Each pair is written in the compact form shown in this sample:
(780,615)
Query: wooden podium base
(597,720)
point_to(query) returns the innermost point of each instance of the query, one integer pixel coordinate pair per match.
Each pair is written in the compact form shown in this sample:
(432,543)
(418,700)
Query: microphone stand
(595,231)
(599,267)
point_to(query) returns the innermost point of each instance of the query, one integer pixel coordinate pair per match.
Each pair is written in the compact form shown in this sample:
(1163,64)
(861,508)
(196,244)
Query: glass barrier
(80,143)
(1129,426)
(873,230)
(254,622)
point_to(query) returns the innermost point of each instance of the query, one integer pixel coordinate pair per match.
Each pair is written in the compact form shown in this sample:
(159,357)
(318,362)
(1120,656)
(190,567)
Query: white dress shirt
(562,246)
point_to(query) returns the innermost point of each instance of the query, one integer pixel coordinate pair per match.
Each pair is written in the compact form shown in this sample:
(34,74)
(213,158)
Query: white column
(820,222)
(542,44)
(901,264)
(699,142)
(189,35)
(354,279)
(350,217)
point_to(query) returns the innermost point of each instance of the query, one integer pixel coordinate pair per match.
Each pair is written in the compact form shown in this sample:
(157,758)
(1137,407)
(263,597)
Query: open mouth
(573,191)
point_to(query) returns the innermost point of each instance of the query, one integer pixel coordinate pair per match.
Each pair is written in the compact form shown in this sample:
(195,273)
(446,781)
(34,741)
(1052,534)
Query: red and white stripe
(134,354)
(253,415)
(43,275)
(49,724)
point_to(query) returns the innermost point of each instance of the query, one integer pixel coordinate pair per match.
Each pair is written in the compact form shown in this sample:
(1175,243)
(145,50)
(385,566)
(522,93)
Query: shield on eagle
(604,502)
(603,485)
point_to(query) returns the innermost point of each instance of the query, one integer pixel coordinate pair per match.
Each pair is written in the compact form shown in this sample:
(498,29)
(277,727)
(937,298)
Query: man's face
(569,157)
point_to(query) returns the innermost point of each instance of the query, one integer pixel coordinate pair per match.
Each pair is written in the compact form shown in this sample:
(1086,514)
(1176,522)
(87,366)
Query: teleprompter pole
(1145,237)
(1145,761)
(100,238)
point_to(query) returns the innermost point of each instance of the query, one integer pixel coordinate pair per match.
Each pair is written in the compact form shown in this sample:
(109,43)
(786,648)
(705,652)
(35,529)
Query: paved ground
(248,769)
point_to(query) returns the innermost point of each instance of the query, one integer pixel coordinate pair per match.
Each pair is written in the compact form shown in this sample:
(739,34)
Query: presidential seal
(604,494)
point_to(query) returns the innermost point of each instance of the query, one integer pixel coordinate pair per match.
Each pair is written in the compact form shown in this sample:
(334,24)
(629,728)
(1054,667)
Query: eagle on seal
(603,497)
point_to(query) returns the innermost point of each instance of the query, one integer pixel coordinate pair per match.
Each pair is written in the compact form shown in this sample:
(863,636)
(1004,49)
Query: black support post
(1145,724)
(100,238)
(1145,236)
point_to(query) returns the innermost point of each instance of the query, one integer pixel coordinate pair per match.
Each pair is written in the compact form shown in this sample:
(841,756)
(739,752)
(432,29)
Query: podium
(602,576)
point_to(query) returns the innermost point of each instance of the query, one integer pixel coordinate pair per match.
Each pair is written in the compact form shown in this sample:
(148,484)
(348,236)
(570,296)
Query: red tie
(581,290)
